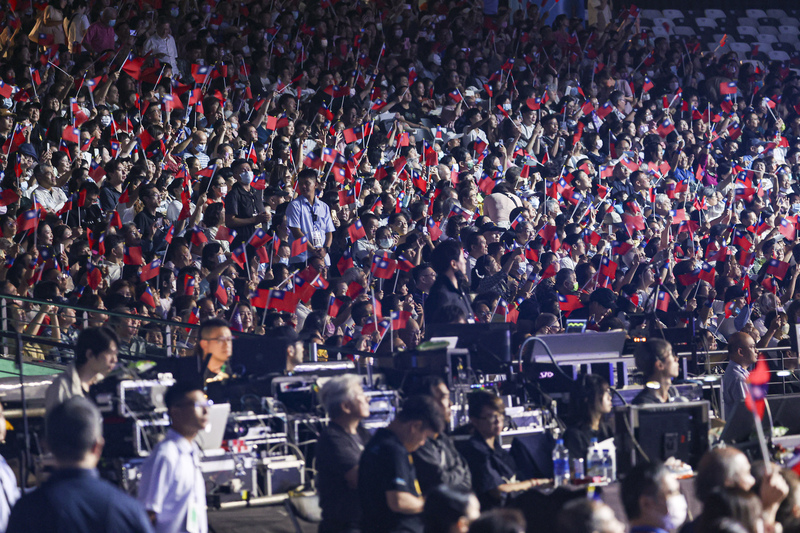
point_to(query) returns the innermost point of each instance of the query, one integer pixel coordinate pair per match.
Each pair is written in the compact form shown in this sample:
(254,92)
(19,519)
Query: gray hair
(338,390)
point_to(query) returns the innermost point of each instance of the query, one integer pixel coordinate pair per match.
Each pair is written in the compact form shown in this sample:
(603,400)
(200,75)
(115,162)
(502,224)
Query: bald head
(108,14)
(742,349)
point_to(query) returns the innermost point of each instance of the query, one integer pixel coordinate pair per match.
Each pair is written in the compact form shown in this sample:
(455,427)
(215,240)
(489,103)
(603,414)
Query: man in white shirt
(172,487)
(46,193)
(162,44)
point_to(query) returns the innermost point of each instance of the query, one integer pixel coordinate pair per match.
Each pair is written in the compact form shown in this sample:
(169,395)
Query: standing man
(162,43)
(46,192)
(741,355)
(308,217)
(100,35)
(95,357)
(74,498)
(172,487)
(244,208)
(390,496)
(448,261)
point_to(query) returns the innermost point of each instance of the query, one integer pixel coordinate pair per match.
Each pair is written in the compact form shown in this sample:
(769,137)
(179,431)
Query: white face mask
(105,120)
(324,42)
(283,260)
(677,510)
(246,177)
(201,147)
(223,190)
(385,243)
(599,143)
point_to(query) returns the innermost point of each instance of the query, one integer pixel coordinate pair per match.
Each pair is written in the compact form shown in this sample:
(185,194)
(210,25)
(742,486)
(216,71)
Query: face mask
(785,330)
(575,286)
(599,143)
(385,243)
(223,190)
(174,12)
(283,260)
(643,129)
(246,177)
(796,208)
(201,147)
(105,120)
(246,50)
(324,43)
(677,509)
(470,164)
(112,22)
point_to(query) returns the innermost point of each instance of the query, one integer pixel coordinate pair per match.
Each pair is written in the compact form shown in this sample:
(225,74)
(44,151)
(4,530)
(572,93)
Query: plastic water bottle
(608,466)
(594,462)
(560,464)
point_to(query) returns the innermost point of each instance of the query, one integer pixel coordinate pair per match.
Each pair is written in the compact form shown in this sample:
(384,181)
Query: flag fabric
(777,268)
(259,238)
(662,302)
(299,246)
(569,303)
(383,268)
(151,270)
(282,301)
(758,380)
(356,231)
(147,297)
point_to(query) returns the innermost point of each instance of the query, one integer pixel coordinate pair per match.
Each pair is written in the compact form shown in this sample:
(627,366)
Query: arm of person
(518,486)
(404,502)
(351,478)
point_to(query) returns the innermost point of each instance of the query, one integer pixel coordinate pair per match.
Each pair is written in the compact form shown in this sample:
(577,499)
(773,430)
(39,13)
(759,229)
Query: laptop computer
(211,437)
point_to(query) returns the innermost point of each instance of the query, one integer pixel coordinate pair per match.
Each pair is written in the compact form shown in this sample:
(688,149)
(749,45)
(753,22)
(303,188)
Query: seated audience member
(735,504)
(449,510)
(589,403)
(338,453)
(788,514)
(74,498)
(726,467)
(652,498)
(388,490)
(494,472)
(659,365)
(584,515)
(437,461)
(95,357)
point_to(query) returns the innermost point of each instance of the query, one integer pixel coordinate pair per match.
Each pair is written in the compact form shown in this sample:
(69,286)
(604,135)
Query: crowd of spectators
(360,171)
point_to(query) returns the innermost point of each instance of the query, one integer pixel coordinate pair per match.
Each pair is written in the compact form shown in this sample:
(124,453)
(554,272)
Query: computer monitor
(489,344)
(257,356)
(662,431)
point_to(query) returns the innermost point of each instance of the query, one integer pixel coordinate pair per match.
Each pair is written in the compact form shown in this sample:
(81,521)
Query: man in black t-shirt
(390,496)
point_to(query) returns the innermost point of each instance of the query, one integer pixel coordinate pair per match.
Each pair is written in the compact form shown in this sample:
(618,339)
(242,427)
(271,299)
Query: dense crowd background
(278,163)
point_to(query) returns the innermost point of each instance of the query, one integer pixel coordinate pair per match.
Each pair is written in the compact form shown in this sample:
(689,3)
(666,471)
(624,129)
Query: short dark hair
(179,390)
(423,409)
(650,351)
(444,506)
(211,323)
(72,428)
(579,516)
(307,173)
(444,253)
(642,480)
(480,399)
(97,340)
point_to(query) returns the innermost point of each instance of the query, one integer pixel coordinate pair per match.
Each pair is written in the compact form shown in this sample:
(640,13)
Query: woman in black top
(590,402)
(338,452)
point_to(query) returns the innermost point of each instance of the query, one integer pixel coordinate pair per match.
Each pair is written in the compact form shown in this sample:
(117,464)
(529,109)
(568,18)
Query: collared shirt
(164,46)
(490,468)
(65,386)
(52,200)
(734,386)
(76,499)
(99,37)
(172,486)
(10,492)
(314,220)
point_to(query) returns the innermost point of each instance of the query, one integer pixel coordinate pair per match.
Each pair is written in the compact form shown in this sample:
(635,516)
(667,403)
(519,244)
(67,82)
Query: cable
(628,425)
(549,353)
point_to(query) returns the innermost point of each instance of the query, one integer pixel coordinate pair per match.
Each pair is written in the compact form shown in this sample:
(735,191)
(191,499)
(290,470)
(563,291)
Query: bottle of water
(608,466)
(594,462)
(560,464)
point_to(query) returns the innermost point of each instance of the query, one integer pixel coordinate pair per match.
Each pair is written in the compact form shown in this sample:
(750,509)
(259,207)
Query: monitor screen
(489,344)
